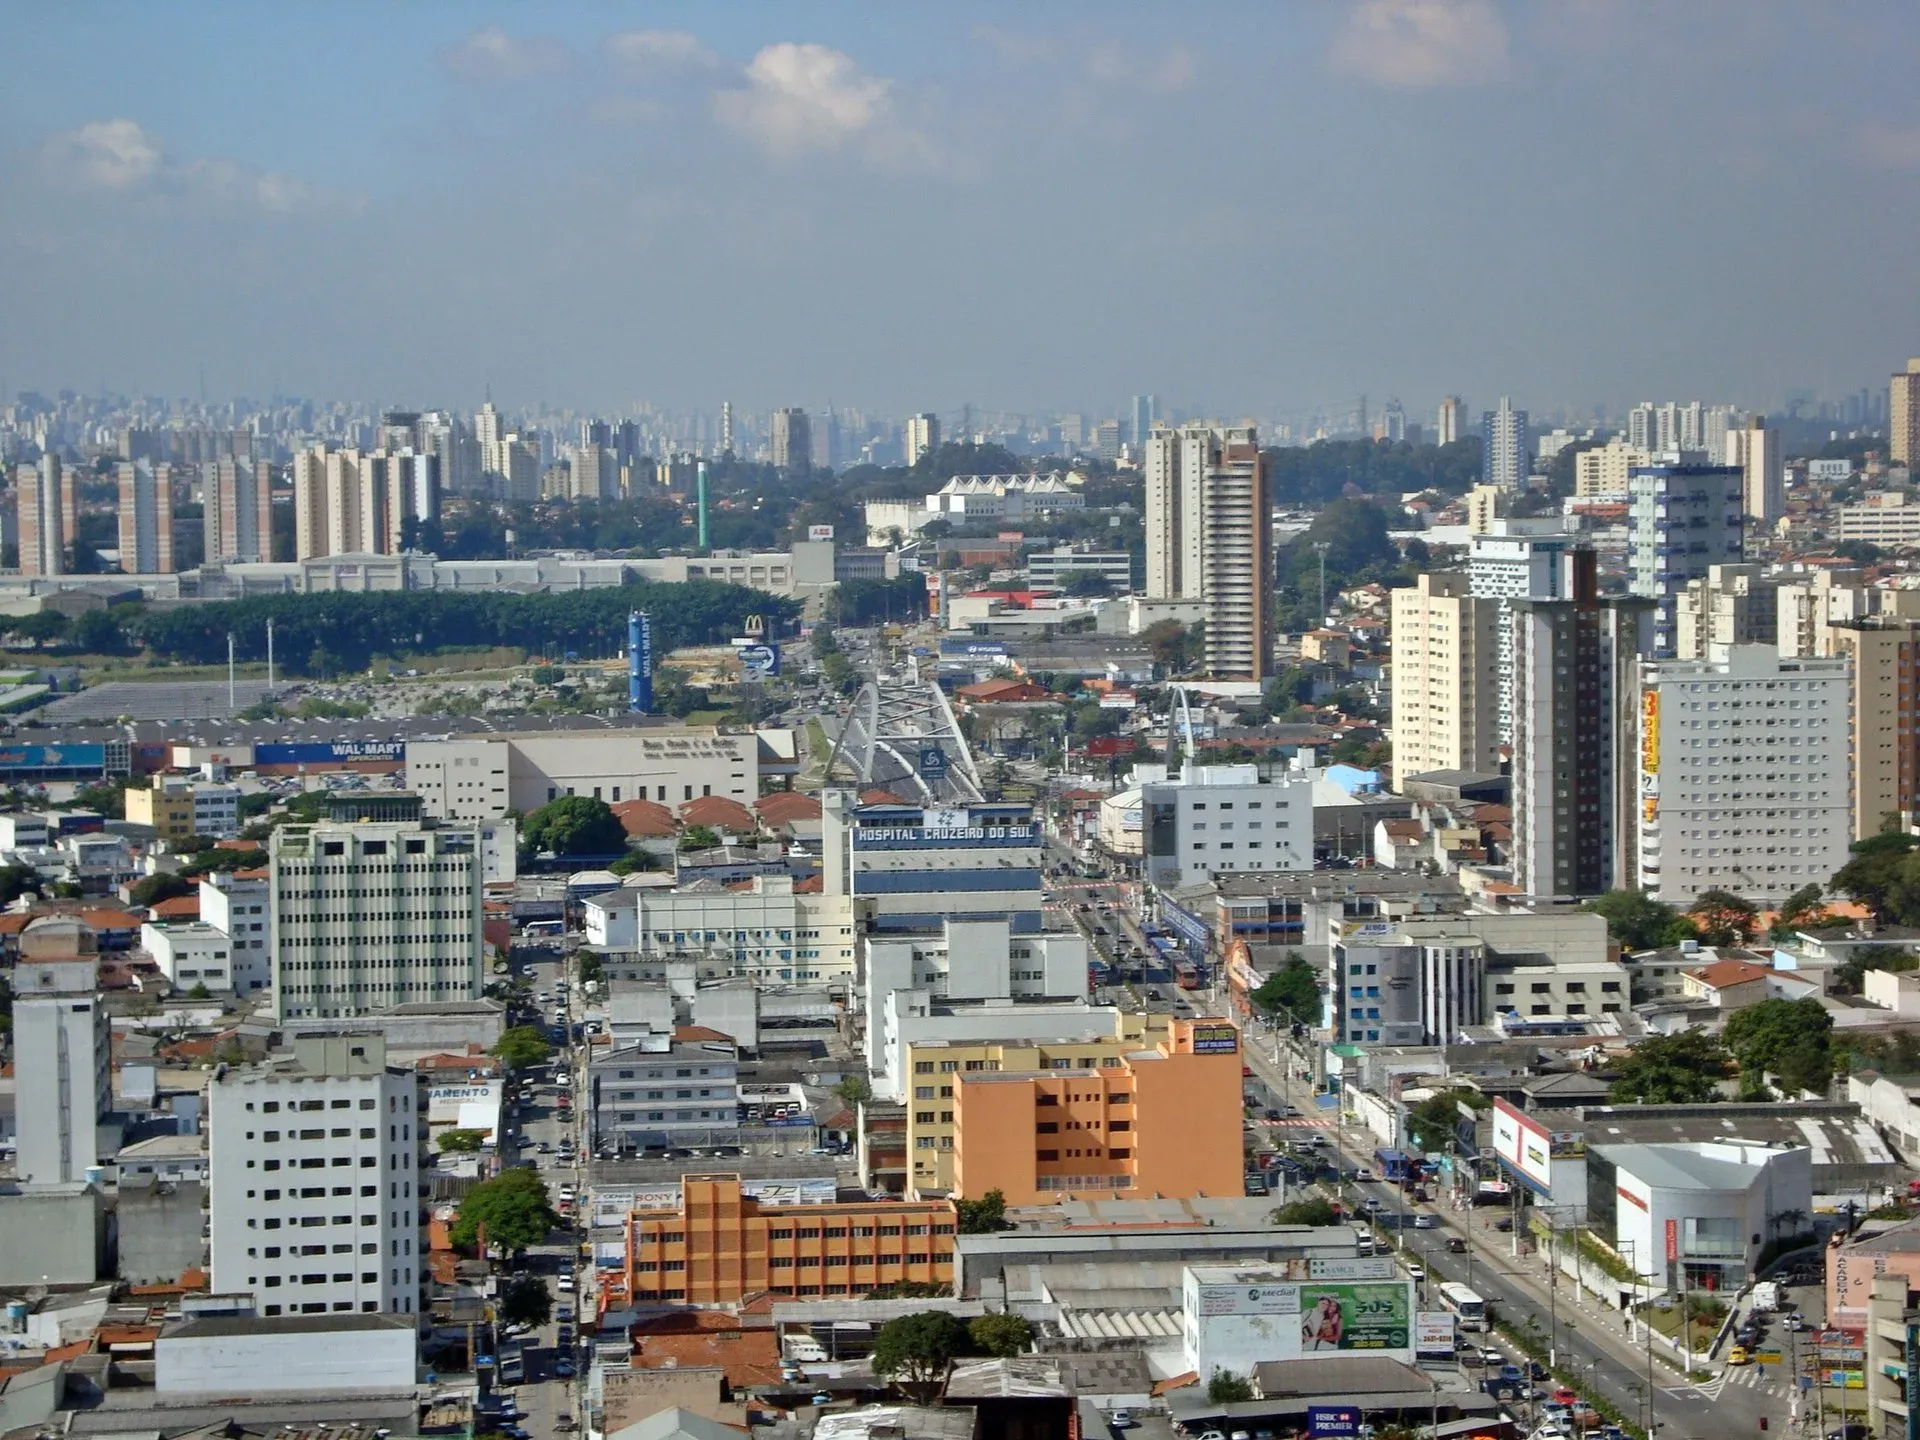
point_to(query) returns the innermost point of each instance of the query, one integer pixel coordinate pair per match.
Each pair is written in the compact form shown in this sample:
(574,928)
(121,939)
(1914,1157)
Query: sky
(1244,208)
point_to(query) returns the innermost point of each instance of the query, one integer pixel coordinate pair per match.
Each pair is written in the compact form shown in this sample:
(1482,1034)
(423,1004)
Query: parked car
(1424,1221)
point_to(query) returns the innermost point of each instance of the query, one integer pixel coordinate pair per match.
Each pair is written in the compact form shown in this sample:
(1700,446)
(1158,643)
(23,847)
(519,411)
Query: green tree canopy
(1884,876)
(18,880)
(511,1210)
(1436,1119)
(1000,1334)
(167,886)
(1226,1388)
(1638,921)
(1724,918)
(574,825)
(913,1351)
(1798,910)
(1314,1211)
(526,1301)
(589,966)
(1293,988)
(1671,1070)
(521,1047)
(1791,1039)
(988,1213)
(459,1142)
(699,837)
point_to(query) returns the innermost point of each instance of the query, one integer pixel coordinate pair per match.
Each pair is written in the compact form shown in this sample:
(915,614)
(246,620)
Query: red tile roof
(1724,973)
(785,805)
(644,819)
(719,813)
(180,907)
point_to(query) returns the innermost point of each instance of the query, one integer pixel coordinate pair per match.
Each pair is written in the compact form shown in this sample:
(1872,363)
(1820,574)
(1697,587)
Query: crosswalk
(1762,1378)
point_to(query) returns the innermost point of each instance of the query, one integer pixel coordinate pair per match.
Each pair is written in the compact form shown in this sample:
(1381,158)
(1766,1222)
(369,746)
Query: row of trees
(327,634)
(1790,1040)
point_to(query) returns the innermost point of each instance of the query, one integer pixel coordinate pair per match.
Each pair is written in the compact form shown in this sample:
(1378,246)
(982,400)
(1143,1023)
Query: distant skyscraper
(1505,446)
(1209,538)
(1452,421)
(1107,440)
(1903,414)
(1756,450)
(920,436)
(349,502)
(1681,520)
(1393,422)
(594,472)
(238,510)
(46,506)
(1146,414)
(726,427)
(791,439)
(146,517)
(1643,428)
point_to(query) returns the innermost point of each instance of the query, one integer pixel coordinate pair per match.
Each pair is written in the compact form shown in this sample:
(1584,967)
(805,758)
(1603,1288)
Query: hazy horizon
(1254,209)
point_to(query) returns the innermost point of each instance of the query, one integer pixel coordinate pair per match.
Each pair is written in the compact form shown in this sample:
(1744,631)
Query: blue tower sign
(639,662)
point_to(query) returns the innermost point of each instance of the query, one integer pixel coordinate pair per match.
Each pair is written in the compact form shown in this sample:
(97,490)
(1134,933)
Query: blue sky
(1252,208)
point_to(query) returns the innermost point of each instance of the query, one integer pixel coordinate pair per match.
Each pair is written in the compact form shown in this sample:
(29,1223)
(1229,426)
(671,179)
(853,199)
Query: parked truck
(1766,1297)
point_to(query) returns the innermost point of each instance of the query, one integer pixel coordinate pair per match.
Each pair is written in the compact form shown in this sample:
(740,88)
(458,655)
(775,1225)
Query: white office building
(314,1168)
(1517,560)
(1221,820)
(62,1052)
(190,954)
(764,931)
(238,905)
(482,778)
(367,916)
(1683,519)
(1506,446)
(1702,1211)
(1744,774)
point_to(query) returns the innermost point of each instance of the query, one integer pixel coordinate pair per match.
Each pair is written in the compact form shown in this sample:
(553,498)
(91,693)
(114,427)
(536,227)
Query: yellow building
(168,809)
(1446,677)
(1601,473)
(1903,413)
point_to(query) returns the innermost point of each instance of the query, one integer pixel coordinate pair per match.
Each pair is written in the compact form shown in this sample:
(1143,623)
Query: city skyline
(747,209)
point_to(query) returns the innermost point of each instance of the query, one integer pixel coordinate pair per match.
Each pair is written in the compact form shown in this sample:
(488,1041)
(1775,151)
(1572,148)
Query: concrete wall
(285,1361)
(53,1234)
(160,1230)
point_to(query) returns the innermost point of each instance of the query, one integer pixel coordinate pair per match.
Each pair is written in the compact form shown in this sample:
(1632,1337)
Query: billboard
(1433,1333)
(1333,1420)
(759,662)
(989,649)
(1104,747)
(1333,1315)
(53,757)
(1215,1039)
(330,752)
(1650,732)
(1523,1143)
(819,532)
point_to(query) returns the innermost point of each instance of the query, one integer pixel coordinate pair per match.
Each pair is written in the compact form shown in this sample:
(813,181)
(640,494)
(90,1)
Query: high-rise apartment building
(919,436)
(146,517)
(370,915)
(46,515)
(1756,451)
(1730,605)
(1574,689)
(1210,538)
(1883,720)
(1643,428)
(1743,778)
(593,472)
(238,510)
(349,502)
(1506,446)
(62,1047)
(1903,415)
(1513,560)
(314,1174)
(1682,520)
(1451,422)
(1601,473)
(1446,676)
(791,439)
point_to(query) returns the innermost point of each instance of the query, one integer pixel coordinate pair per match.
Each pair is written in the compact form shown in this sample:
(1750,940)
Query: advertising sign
(1523,1143)
(325,752)
(759,662)
(53,757)
(1913,1382)
(1366,1267)
(1340,1420)
(943,819)
(1650,732)
(1216,1040)
(1673,1232)
(1249,1300)
(1104,747)
(1355,1317)
(1433,1333)
(819,532)
(933,762)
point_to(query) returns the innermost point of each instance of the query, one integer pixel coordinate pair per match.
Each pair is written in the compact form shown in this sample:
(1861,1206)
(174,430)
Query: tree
(526,1301)
(1000,1335)
(1436,1119)
(1307,1212)
(1671,1070)
(982,1216)
(18,880)
(574,825)
(98,632)
(1798,910)
(155,888)
(522,1047)
(1227,1388)
(1088,583)
(1293,988)
(699,837)
(589,966)
(1724,918)
(1788,1038)
(913,1351)
(1638,921)
(512,1211)
(1883,875)
(854,1091)
(459,1142)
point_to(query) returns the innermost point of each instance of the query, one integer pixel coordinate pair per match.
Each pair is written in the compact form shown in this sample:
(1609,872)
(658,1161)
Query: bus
(513,1362)
(1188,973)
(1469,1311)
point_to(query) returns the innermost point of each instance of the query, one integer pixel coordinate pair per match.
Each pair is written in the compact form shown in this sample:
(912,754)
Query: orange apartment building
(720,1246)
(1163,1122)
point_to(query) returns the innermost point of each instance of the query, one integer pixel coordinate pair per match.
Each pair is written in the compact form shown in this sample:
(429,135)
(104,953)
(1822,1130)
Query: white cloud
(651,51)
(1420,44)
(120,156)
(492,54)
(104,155)
(808,97)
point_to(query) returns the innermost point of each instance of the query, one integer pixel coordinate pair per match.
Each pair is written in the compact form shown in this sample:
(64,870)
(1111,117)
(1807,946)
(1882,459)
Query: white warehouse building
(483,777)
(1221,819)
